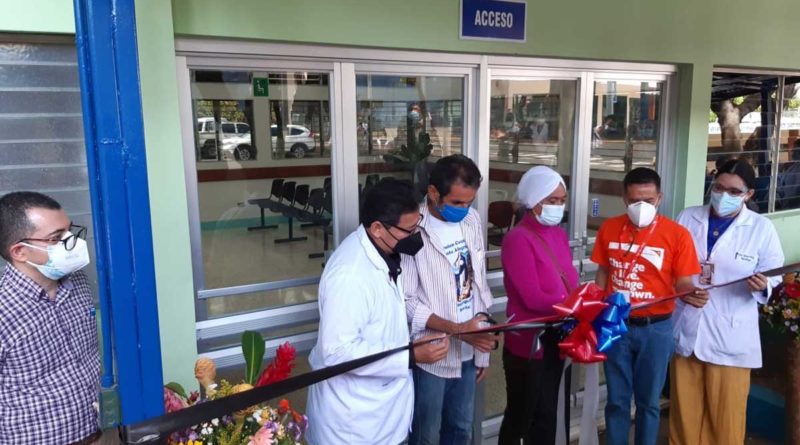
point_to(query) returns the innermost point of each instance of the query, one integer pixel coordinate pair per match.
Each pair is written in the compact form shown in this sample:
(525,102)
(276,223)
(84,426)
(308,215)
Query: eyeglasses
(69,242)
(411,231)
(731,191)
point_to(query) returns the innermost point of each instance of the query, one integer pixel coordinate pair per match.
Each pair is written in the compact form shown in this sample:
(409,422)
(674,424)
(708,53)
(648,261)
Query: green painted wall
(37,16)
(696,35)
(167,184)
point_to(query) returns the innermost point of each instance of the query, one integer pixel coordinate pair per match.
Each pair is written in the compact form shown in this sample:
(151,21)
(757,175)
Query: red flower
(281,366)
(792,290)
(284,407)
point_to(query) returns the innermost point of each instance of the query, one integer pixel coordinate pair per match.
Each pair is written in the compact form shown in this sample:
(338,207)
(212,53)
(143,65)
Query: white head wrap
(536,184)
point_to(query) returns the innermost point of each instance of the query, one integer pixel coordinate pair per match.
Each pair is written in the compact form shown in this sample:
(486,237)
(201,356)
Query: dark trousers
(532,396)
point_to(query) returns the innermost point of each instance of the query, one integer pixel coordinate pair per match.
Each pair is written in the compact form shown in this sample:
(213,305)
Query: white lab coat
(362,312)
(725,331)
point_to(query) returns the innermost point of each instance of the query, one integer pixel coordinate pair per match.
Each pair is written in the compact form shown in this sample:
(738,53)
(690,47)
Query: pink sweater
(532,281)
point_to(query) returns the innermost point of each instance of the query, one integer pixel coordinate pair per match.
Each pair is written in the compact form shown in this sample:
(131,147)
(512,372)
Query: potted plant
(413,156)
(782,313)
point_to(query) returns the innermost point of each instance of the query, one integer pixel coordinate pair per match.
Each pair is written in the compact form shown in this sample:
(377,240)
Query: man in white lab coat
(362,312)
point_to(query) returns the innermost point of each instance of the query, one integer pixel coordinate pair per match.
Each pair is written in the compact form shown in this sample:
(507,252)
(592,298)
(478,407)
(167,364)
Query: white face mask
(60,261)
(642,213)
(551,215)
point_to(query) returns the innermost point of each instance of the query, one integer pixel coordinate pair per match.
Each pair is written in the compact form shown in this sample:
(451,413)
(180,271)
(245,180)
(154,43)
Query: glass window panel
(26,74)
(237,304)
(264,183)
(741,124)
(397,115)
(41,129)
(626,123)
(31,152)
(788,185)
(40,102)
(532,122)
(50,126)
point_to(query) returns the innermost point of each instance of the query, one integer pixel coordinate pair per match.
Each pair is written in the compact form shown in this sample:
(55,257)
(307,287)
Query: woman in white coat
(717,345)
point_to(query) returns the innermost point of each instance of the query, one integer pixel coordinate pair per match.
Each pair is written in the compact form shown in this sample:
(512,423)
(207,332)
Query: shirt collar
(25,286)
(392,260)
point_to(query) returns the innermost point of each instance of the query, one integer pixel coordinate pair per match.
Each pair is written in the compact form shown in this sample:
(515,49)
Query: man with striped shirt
(446,291)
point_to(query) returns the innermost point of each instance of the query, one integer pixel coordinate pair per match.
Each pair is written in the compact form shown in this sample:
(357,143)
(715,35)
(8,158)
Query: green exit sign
(260,87)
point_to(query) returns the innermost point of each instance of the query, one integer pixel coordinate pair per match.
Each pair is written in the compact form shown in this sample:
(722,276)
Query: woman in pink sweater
(538,273)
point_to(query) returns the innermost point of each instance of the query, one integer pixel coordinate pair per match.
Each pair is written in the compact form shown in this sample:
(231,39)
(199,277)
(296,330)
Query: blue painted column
(114,133)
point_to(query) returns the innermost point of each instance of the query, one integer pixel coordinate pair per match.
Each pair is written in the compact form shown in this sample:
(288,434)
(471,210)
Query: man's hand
(481,342)
(698,298)
(757,282)
(431,352)
(480,374)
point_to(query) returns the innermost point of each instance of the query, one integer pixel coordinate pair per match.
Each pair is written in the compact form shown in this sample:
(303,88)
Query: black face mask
(409,245)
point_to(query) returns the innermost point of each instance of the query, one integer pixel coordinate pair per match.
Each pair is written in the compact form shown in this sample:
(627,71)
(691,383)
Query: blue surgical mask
(452,213)
(725,204)
(60,261)
(551,215)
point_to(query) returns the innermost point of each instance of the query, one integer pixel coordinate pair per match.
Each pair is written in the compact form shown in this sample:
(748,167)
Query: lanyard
(554,259)
(639,251)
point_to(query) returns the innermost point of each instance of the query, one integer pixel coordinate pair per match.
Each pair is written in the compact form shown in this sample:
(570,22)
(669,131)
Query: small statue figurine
(205,371)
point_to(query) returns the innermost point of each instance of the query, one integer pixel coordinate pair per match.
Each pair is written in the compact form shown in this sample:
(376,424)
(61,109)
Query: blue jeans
(443,408)
(637,366)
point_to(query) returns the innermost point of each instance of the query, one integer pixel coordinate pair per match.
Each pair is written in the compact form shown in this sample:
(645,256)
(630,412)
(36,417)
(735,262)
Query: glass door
(592,128)
(626,130)
(532,121)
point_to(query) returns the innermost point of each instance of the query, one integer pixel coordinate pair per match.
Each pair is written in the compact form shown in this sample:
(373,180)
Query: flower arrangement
(256,425)
(783,311)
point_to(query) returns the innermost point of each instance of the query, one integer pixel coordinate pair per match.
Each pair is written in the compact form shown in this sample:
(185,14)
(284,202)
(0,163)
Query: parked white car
(207,130)
(298,140)
(238,147)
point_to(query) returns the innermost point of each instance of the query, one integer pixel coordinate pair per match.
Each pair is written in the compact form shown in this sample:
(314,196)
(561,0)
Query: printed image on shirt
(462,270)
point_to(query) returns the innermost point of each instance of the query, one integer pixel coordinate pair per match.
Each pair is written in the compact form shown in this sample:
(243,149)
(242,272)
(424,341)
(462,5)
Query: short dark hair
(740,168)
(453,169)
(387,201)
(14,222)
(641,175)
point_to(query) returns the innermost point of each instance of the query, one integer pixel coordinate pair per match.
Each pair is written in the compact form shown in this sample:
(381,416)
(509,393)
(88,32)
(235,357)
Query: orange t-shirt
(647,261)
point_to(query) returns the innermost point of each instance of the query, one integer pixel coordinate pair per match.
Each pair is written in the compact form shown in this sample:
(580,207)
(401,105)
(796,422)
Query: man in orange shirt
(645,256)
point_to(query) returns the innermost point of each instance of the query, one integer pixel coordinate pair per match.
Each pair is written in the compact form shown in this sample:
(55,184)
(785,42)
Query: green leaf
(177,389)
(253,349)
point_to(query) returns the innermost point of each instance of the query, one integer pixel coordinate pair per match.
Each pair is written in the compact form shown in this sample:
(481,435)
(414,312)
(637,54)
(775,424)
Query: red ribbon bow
(585,303)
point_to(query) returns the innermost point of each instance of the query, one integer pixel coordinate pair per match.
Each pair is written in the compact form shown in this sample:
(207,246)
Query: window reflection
(742,122)
(625,125)
(532,122)
(264,183)
(788,184)
(406,123)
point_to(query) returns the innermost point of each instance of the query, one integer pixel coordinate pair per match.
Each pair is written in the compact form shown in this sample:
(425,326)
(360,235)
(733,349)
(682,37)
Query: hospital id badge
(706,273)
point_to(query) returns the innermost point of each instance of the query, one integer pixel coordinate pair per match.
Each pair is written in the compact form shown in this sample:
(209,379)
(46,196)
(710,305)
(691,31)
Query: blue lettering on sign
(493,20)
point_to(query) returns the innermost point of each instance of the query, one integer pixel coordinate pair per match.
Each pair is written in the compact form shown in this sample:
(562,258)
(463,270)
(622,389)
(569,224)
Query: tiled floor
(663,437)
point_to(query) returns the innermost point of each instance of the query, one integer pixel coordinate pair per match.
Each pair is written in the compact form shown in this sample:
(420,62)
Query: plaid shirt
(49,361)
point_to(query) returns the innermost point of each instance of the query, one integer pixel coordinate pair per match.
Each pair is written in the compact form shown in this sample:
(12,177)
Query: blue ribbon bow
(610,325)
